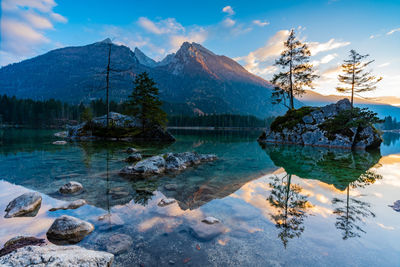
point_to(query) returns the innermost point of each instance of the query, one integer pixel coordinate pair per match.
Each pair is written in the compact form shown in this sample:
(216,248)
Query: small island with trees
(339,125)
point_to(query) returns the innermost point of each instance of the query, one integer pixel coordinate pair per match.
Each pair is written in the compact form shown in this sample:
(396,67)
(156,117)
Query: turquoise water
(278,205)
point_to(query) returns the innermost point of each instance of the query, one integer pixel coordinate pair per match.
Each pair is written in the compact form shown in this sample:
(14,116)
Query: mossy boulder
(334,125)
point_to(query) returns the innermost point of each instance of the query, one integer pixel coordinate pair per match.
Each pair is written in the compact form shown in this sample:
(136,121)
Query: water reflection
(290,206)
(352,211)
(344,169)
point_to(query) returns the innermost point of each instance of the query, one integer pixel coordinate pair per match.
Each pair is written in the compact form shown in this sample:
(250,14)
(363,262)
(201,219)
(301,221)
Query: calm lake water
(278,205)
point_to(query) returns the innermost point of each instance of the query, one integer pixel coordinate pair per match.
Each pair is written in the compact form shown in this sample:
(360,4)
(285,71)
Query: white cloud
(37,21)
(260,23)
(23,26)
(229,10)
(316,47)
(169,25)
(198,35)
(228,22)
(253,62)
(393,31)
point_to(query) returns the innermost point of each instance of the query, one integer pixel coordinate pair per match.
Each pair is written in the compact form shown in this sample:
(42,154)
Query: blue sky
(251,32)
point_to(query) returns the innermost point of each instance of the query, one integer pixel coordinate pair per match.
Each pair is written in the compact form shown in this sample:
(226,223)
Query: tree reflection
(290,207)
(351,211)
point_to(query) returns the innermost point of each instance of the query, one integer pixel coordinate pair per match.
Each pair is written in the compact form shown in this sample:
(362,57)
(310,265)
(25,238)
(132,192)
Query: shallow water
(278,205)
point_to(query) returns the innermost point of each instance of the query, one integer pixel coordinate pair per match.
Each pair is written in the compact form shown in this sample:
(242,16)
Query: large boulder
(26,205)
(20,242)
(52,255)
(328,126)
(122,127)
(169,162)
(68,230)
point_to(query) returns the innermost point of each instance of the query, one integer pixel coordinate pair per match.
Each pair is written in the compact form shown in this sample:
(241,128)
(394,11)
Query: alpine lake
(278,205)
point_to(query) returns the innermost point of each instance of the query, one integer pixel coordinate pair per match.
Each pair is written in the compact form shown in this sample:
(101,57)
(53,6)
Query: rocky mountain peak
(106,41)
(143,59)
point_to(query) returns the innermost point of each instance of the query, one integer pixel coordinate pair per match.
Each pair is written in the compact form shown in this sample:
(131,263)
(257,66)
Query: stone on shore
(71,188)
(68,230)
(169,162)
(26,205)
(70,205)
(134,157)
(52,256)
(19,242)
(131,150)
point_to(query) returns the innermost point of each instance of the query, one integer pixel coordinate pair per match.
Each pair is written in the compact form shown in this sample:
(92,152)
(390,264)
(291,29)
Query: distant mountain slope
(194,77)
(315,99)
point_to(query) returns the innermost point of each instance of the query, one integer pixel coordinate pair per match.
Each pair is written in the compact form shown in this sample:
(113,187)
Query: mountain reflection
(290,207)
(344,169)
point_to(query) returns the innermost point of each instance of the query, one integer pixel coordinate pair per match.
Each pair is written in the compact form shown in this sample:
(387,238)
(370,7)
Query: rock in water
(70,205)
(134,157)
(51,256)
(26,205)
(131,150)
(59,142)
(169,162)
(71,188)
(20,242)
(328,126)
(396,205)
(68,230)
(206,232)
(210,220)
(166,201)
(119,243)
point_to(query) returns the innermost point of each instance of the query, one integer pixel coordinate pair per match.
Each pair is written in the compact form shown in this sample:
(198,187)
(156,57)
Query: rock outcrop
(122,127)
(327,126)
(26,205)
(68,230)
(51,255)
(71,188)
(169,162)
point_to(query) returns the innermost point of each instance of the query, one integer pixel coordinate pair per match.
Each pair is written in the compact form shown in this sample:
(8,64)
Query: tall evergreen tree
(355,77)
(297,72)
(144,102)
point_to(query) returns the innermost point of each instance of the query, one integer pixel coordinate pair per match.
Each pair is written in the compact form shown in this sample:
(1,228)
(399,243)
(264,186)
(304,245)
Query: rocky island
(335,125)
(122,127)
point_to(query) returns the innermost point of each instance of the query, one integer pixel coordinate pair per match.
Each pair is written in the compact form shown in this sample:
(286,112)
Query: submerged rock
(109,220)
(26,205)
(70,205)
(168,162)
(51,255)
(328,126)
(68,230)
(118,243)
(19,242)
(71,188)
(206,232)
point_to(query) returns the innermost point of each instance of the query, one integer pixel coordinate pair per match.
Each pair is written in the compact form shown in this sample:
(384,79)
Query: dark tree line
(54,113)
(220,120)
(390,124)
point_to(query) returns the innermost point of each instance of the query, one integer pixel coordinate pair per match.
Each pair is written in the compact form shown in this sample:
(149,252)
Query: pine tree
(355,77)
(144,102)
(297,72)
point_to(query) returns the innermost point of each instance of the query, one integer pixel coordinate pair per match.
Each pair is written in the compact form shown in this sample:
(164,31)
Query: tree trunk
(291,82)
(107,81)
